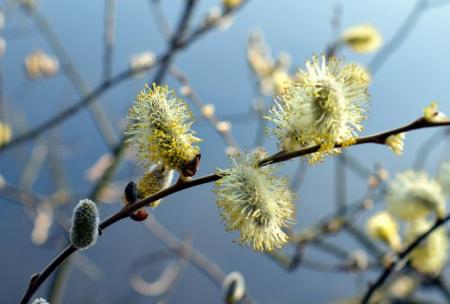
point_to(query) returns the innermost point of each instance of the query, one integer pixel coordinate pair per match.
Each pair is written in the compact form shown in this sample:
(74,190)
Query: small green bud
(85,221)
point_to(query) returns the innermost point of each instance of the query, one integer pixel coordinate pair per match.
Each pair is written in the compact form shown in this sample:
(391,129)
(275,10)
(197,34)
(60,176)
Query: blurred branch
(161,20)
(402,33)
(427,146)
(207,26)
(34,165)
(196,258)
(108,38)
(208,114)
(403,254)
(167,278)
(175,40)
(71,110)
(69,68)
(299,175)
(356,166)
(340,182)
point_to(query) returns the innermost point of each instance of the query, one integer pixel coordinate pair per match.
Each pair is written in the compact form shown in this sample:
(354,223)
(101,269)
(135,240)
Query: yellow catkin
(430,256)
(362,38)
(255,203)
(153,181)
(231,4)
(413,195)
(395,143)
(160,127)
(382,227)
(324,105)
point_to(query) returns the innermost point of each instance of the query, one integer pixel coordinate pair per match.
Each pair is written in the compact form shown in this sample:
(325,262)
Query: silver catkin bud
(233,287)
(40,301)
(85,221)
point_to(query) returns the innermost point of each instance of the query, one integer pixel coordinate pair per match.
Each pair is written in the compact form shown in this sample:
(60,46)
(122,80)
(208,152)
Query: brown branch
(127,210)
(37,279)
(389,269)
(378,138)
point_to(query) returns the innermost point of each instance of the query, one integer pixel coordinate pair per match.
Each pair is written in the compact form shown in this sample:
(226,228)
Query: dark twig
(379,138)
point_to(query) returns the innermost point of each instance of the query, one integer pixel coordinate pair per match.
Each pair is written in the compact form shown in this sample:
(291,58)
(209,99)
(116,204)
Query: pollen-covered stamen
(157,178)
(413,195)
(161,129)
(255,203)
(430,256)
(325,105)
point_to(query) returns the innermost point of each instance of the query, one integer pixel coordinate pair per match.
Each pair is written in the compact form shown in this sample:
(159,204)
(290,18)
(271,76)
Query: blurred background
(47,175)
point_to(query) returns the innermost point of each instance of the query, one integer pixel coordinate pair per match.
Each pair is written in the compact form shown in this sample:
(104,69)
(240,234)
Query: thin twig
(161,20)
(399,37)
(176,39)
(108,38)
(95,109)
(341,183)
(379,138)
(211,118)
(71,110)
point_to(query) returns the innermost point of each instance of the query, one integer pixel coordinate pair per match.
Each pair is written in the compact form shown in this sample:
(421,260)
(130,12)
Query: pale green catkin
(85,221)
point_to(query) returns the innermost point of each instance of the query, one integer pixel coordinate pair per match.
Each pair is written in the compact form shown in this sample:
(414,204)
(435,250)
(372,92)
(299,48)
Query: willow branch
(379,138)
(127,210)
(161,21)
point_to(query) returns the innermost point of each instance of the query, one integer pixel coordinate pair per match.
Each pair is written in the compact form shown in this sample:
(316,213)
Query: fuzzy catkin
(382,227)
(413,195)
(160,127)
(85,222)
(255,203)
(324,105)
(430,256)
(153,181)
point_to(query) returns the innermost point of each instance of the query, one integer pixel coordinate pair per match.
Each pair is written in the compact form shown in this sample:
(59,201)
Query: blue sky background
(416,73)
